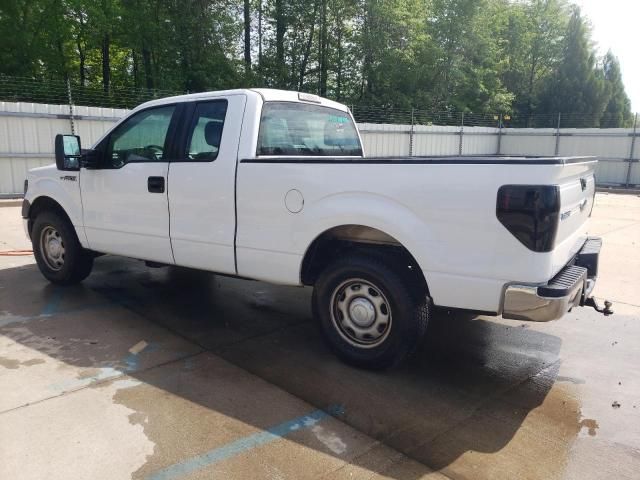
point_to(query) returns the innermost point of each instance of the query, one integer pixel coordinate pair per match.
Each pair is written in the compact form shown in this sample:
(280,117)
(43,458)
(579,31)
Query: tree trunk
(83,58)
(323,51)
(83,76)
(106,68)
(247,37)
(82,54)
(339,65)
(63,61)
(281,27)
(260,36)
(148,69)
(367,64)
(532,73)
(307,50)
(136,75)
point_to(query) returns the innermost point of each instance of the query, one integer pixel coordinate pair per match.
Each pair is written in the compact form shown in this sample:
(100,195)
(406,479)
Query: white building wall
(27,131)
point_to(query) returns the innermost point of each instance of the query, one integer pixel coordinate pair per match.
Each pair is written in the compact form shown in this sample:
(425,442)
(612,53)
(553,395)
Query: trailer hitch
(592,302)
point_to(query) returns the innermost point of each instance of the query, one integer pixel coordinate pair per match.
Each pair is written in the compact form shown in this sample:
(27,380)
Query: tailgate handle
(155,184)
(583,204)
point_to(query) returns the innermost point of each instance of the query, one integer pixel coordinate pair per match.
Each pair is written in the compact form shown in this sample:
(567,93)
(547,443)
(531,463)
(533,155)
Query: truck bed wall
(444,214)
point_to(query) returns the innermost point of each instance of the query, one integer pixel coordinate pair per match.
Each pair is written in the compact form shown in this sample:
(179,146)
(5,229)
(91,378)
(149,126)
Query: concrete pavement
(176,374)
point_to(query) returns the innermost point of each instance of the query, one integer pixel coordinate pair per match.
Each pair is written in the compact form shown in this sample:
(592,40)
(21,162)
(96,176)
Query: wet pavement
(177,374)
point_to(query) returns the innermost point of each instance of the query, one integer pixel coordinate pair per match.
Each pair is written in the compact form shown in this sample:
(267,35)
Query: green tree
(479,56)
(533,41)
(617,112)
(576,87)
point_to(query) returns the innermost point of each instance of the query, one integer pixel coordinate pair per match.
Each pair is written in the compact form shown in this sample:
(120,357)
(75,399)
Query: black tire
(73,263)
(401,325)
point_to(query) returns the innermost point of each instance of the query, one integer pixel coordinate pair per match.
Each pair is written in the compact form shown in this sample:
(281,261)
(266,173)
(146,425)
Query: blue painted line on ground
(54,301)
(90,306)
(8,319)
(244,444)
(129,364)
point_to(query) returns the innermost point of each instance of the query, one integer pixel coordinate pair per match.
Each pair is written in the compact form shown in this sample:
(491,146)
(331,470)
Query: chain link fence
(371,114)
(56,92)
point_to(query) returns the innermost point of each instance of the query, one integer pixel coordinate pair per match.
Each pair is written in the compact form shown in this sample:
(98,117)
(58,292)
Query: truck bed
(441,208)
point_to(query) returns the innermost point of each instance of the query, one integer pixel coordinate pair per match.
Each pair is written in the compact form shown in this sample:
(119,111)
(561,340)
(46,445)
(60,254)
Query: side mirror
(68,152)
(90,159)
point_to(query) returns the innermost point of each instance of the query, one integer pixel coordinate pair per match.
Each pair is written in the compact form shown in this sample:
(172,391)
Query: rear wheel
(371,314)
(59,255)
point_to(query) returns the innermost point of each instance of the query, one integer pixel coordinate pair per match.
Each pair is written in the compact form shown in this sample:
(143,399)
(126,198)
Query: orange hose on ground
(16,253)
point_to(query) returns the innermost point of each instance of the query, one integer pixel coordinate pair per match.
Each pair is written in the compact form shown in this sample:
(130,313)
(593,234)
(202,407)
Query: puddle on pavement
(539,437)
(527,432)
(590,424)
(10,363)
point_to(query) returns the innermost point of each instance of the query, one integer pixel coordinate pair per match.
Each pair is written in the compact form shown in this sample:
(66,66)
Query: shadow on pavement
(468,391)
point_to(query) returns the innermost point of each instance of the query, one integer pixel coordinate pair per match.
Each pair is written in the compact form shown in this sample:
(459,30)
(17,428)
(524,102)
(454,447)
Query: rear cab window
(300,129)
(205,134)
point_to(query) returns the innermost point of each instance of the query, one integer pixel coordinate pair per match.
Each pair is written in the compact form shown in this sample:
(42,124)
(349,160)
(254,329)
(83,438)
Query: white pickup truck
(274,186)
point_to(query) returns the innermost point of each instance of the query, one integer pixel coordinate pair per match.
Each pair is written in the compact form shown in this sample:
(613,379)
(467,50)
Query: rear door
(125,205)
(202,185)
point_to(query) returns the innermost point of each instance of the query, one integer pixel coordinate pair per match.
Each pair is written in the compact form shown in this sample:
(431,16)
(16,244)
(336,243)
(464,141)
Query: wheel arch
(336,241)
(45,203)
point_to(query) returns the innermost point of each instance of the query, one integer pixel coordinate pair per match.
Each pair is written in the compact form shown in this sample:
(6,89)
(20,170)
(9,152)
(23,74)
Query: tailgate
(576,201)
(577,193)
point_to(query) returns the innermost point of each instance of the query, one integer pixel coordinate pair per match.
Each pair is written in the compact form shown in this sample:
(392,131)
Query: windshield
(289,128)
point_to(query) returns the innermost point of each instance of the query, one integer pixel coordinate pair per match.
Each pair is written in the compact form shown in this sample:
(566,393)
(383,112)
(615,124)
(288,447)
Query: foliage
(617,111)
(519,57)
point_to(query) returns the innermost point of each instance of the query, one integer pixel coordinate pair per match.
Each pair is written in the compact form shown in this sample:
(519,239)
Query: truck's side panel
(444,214)
(65,192)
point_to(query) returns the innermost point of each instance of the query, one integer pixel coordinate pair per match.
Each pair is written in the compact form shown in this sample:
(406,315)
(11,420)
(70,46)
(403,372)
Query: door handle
(155,184)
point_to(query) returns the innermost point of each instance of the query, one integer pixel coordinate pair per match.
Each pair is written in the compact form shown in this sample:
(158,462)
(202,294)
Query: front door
(125,204)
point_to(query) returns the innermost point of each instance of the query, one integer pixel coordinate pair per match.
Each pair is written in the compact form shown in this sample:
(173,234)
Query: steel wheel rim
(52,248)
(361,313)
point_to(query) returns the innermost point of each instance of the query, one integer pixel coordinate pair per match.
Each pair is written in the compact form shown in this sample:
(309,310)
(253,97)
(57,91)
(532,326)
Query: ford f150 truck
(275,186)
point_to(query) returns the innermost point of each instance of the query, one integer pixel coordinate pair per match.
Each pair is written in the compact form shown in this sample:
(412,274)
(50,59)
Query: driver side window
(140,138)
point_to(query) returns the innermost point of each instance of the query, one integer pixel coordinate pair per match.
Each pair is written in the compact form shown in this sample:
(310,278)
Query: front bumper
(26,207)
(25,224)
(569,288)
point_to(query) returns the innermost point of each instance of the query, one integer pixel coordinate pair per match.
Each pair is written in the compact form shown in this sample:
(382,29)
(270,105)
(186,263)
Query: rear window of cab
(300,129)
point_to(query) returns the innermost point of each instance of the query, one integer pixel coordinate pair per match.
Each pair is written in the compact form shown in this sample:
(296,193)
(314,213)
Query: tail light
(531,213)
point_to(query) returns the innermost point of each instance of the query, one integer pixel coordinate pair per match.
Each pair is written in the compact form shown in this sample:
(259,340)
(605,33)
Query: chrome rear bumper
(569,288)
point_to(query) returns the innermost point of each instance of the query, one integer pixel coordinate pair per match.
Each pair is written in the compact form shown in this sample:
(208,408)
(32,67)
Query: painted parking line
(244,444)
(8,319)
(52,307)
(54,301)
(129,364)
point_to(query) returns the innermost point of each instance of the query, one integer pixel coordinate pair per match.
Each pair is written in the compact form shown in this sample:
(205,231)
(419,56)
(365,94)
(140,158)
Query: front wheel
(370,313)
(59,255)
